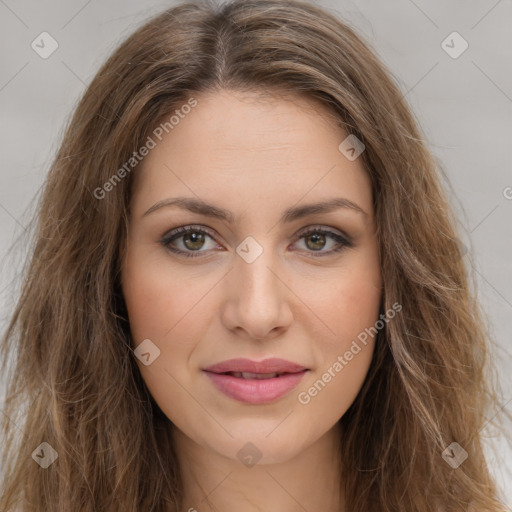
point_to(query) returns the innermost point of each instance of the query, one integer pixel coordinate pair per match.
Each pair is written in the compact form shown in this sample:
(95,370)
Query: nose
(256,299)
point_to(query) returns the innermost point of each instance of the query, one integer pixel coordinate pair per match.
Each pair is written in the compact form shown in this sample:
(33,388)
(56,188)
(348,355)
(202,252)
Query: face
(256,276)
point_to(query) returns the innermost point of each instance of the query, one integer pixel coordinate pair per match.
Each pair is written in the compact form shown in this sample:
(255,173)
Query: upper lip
(271,365)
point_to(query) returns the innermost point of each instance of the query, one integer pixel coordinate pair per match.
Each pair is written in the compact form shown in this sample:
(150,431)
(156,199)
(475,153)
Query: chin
(260,447)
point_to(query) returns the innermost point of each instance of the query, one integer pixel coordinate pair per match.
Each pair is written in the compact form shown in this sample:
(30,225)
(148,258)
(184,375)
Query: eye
(316,238)
(193,238)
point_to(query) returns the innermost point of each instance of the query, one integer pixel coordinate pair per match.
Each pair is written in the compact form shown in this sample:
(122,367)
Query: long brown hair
(72,368)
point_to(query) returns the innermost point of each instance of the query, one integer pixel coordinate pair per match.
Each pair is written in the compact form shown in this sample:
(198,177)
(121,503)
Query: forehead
(242,121)
(245,146)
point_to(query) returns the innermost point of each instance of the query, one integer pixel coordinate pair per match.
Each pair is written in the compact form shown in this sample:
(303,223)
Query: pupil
(317,236)
(196,238)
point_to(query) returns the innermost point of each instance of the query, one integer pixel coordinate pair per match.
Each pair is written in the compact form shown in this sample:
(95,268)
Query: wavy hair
(72,378)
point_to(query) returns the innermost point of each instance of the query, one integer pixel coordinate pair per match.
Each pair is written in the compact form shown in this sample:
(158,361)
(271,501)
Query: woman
(246,291)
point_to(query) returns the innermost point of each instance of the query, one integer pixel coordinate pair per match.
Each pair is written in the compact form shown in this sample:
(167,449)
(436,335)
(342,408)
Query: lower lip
(255,391)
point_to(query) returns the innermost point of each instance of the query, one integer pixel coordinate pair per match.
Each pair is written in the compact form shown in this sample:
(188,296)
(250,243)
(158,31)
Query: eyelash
(181,231)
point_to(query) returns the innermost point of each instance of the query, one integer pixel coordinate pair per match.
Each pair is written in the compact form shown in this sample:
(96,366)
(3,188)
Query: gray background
(463,104)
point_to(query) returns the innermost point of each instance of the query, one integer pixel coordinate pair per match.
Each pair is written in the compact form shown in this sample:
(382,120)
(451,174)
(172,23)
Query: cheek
(357,304)
(160,300)
(164,308)
(349,306)
(347,302)
(169,308)
(333,389)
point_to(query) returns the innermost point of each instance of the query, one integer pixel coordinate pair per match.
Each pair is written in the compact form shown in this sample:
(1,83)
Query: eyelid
(305,230)
(323,227)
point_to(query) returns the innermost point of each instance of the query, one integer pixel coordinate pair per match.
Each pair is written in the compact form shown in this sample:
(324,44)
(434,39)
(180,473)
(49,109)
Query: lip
(256,391)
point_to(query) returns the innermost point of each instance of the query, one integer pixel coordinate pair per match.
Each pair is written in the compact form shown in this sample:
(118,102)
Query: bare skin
(298,300)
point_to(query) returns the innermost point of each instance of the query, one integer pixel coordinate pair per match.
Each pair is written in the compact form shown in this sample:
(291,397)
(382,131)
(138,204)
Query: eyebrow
(289,215)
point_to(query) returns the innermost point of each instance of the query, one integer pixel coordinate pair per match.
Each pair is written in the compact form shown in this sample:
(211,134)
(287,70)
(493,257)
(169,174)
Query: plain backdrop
(463,103)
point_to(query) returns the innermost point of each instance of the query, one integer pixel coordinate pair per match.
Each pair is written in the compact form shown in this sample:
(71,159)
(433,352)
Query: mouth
(257,376)
(253,382)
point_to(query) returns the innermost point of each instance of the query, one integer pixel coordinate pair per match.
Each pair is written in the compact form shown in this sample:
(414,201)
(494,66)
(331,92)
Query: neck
(309,481)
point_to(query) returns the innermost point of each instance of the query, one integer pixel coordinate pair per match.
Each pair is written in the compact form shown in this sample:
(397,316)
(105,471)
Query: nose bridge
(254,272)
(257,297)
